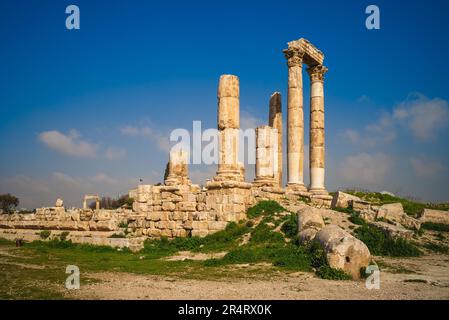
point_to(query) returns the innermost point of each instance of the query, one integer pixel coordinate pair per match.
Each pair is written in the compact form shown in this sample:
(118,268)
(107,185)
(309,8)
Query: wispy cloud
(114,153)
(69,144)
(424,117)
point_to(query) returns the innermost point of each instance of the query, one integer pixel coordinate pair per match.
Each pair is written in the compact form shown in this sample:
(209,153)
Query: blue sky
(88,110)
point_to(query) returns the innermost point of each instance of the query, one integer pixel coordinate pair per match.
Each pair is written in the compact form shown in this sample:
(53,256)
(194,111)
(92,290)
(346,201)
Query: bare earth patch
(433,269)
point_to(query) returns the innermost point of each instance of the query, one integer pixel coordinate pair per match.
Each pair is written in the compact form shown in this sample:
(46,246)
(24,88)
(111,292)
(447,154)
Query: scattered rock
(392,212)
(341,199)
(59,203)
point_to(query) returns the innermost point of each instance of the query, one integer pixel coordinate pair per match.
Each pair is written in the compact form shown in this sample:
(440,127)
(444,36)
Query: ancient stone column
(266,156)
(295,120)
(317,147)
(275,121)
(229,167)
(178,168)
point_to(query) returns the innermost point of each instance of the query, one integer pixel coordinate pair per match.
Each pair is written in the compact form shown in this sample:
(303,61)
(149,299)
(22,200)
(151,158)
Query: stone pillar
(229,167)
(178,168)
(317,146)
(275,121)
(295,121)
(266,156)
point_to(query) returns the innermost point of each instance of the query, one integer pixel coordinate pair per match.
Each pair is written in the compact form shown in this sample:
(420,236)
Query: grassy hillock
(411,207)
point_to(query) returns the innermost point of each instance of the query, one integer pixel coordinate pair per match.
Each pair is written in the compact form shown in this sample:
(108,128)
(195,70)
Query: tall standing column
(317,146)
(229,167)
(295,120)
(275,121)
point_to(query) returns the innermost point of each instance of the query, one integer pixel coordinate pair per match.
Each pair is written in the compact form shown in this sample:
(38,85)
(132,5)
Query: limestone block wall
(186,210)
(58,218)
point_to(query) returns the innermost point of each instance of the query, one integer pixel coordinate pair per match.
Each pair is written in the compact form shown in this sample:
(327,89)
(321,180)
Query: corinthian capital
(317,72)
(294,56)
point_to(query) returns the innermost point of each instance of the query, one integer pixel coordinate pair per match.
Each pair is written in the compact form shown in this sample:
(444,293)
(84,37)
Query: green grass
(279,250)
(436,247)
(290,226)
(379,244)
(265,208)
(435,226)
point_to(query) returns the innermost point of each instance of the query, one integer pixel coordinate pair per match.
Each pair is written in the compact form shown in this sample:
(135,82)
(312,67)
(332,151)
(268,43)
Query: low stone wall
(99,238)
(58,218)
(170,211)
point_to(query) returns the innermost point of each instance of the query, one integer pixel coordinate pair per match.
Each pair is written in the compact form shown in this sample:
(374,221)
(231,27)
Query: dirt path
(432,269)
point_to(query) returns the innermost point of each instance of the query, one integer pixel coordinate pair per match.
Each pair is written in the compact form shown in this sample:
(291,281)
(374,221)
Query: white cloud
(423,116)
(114,153)
(365,168)
(427,168)
(70,144)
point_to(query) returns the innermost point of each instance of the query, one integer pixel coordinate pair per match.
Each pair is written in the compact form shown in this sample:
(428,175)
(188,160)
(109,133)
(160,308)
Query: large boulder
(391,211)
(343,251)
(342,200)
(435,216)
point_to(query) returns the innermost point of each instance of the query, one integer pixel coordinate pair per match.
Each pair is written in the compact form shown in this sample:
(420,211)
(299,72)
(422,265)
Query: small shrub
(250,224)
(326,272)
(356,219)
(290,227)
(438,248)
(435,226)
(63,236)
(123,224)
(44,234)
(379,244)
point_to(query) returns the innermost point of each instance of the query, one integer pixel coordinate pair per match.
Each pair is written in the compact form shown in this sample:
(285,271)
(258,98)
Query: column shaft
(275,121)
(317,143)
(229,167)
(295,120)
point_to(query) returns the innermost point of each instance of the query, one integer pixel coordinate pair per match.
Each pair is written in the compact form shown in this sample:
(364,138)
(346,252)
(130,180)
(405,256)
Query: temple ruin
(179,208)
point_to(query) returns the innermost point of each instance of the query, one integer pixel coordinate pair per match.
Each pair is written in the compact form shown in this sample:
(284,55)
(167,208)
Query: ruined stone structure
(91,197)
(299,52)
(179,208)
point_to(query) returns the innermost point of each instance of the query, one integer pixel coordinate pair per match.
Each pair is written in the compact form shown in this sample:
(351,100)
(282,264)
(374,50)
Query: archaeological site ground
(288,204)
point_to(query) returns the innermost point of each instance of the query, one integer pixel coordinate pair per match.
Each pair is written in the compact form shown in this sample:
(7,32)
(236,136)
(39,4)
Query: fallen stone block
(343,251)
(342,200)
(435,216)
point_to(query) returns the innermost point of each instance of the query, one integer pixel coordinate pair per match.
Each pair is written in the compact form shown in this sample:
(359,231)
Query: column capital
(317,72)
(294,56)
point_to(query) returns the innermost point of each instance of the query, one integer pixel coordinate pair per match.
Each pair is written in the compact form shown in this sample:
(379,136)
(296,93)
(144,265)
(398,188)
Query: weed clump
(268,207)
(379,244)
